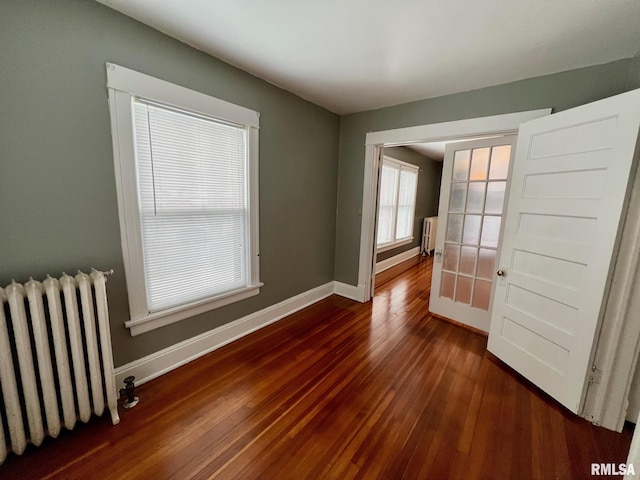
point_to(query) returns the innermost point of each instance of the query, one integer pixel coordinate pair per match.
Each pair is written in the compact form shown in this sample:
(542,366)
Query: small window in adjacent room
(398,186)
(186,172)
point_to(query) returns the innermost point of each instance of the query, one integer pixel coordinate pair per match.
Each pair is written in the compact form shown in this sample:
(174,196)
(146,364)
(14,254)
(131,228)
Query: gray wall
(633,80)
(58,208)
(560,91)
(427,194)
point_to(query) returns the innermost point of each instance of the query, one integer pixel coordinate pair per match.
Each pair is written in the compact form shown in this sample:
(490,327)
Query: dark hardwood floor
(338,390)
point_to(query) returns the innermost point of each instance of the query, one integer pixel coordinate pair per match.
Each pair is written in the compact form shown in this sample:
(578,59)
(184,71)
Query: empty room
(255,240)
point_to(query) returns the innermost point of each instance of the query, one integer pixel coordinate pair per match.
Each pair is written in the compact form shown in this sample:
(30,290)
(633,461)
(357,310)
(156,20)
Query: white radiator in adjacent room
(429,227)
(56,362)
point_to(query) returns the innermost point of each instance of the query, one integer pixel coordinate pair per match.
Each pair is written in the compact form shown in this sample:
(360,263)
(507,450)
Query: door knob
(501,273)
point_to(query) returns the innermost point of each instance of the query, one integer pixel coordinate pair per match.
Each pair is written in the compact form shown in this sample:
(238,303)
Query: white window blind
(398,187)
(387,210)
(192,174)
(406,203)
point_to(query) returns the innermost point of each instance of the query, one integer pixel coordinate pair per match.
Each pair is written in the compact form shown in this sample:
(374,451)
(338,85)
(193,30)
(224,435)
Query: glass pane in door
(458,197)
(448,285)
(471,232)
(490,231)
(500,162)
(454,228)
(479,163)
(450,262)
(481,294)
(461,165)
(475,197)
(486,263)
(463,289)
(468,260)
(495,197)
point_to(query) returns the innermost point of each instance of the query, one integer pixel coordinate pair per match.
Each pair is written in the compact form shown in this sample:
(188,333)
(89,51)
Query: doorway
(409,192)
(375,143)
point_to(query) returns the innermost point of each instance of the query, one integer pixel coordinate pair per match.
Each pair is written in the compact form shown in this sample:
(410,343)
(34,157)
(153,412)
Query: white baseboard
(172,357)
(349,291)
(396,259)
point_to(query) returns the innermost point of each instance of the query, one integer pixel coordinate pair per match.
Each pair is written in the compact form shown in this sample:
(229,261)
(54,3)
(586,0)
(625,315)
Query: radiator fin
(45,368)
(56,316)
(77,349)
(15,298)
(91,342)
(10,389)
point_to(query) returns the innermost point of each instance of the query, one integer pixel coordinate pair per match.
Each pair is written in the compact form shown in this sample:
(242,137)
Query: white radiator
(50,332)
(429,228)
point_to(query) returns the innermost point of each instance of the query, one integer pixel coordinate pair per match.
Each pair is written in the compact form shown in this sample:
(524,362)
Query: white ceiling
(435,150)
(355,55)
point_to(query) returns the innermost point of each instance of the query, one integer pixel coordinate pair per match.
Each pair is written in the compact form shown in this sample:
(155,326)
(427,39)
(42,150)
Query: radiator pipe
(129,391)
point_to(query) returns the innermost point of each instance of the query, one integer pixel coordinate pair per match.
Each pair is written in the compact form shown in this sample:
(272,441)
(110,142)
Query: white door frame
(436,132)
(616,354)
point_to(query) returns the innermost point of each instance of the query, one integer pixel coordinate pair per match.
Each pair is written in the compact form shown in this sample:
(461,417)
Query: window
(398,185)
(186,174)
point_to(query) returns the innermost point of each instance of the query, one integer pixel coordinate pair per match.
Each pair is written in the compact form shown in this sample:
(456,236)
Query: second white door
(472,200)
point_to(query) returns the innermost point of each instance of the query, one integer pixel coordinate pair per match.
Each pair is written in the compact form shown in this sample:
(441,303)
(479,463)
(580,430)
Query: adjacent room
(292,240)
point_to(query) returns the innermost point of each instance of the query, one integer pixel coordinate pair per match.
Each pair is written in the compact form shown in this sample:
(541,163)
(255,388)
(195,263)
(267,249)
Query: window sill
(390,246)
(173,315)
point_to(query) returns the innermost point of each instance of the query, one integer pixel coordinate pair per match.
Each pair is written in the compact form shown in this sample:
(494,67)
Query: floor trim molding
(170,358)
(383,265)
(349,291)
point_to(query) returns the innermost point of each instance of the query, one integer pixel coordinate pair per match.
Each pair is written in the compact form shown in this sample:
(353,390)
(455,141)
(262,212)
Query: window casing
(397,203)
(186,169)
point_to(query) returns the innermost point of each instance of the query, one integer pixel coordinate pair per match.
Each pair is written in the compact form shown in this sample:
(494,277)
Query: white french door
(472,199)
(568,189)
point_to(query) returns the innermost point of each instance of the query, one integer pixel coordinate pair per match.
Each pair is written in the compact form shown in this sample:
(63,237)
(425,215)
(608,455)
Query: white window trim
(405,240)
(124,85)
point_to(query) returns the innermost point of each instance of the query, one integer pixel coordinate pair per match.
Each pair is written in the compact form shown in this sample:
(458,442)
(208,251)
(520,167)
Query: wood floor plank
(338,390)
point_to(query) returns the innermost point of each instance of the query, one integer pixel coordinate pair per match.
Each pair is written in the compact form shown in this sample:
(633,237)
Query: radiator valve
(129,390)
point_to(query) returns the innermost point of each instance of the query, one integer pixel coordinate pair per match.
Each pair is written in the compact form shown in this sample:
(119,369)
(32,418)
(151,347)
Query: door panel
(567,195)
(474,182)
